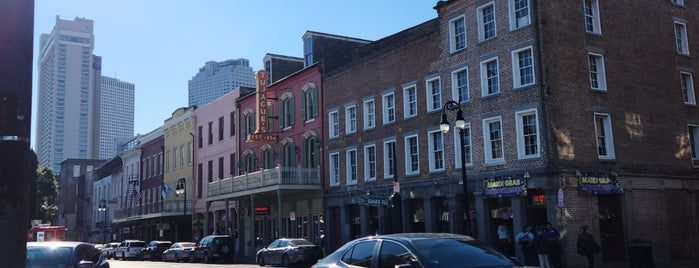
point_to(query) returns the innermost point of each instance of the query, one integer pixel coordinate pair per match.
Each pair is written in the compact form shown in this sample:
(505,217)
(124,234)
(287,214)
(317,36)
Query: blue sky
(160,44)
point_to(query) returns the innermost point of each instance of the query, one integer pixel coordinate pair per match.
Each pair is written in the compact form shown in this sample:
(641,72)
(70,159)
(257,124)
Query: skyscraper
(216,79)
(65,93)
(116,117)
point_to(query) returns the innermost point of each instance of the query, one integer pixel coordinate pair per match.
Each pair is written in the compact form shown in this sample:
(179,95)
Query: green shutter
(292,112)
(316,152)
(303,106)
(270,119)
(292,161)
(304,153)
(314,93)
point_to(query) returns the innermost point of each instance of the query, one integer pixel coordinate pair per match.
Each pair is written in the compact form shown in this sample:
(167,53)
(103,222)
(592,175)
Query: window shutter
(292,160)
(304,96)
(292,111)
(316,152)
(314,94)
(305,161)
(270,119)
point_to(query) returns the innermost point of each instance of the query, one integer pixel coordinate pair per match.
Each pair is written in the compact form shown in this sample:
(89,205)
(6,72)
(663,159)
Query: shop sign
(261,210)
(592,183)
(505,186)
(262,134)
(376,201)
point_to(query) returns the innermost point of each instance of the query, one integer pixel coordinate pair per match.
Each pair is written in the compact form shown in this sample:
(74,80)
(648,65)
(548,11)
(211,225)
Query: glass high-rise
(216,79)
(116,117)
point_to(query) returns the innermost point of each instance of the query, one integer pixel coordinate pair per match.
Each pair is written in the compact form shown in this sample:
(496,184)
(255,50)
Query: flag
(136,197)
(166,191)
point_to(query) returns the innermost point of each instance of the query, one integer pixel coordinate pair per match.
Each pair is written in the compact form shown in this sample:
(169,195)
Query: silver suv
(130,249)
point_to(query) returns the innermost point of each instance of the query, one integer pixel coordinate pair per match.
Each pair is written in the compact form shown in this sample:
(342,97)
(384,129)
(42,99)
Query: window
(350,120)
(333,124)
(605,141)
(493,140)
(311,150)
(190,151)
(211,133)
(436,150)
(434,94)
(167,160)
(389,108)
(248,125)
(232,126)
(232,165)
(250,163)
(309,105)
(220,168)
(693,133)
(598,80)
(370,163)
(486,22)
(466,146)
(351,164)
(267,159)
(393,254)
(287,112)
(527,134)
(490,78)
(412,157)
(681,38)
(182,153)
(200,139)
(678,2)
(220,128)
(210,169)
(409,102)
(519,14)
(522,67)
(459,84)
(334,169)
(308,51)
(687,88)
(369,114)
(389,159)
(592,24)
(457,33)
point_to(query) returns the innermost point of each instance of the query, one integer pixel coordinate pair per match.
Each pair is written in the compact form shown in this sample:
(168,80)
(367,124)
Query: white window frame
(681,38)
(598,73)
(334,169)
(522,140)
(457,145)
(517,67)
(333,124)
(433,97)
(409,106)
(484,77)
(693,141)
(687,84)
(350,119)
(387,156)
(454,36)
(516,23)
(456,87)
(488,142)
(351,168)
(369,114)
(369,166)
(388,103)
(409,154)
(481,22)
(435,147)
(592,16)
(608,137)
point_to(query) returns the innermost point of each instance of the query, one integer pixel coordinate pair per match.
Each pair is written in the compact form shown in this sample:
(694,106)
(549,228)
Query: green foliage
(44,192)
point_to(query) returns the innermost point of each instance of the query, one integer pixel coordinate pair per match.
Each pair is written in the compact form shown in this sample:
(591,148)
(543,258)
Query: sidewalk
(674,264)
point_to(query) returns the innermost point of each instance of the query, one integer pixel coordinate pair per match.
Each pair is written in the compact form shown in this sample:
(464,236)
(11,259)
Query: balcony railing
(269,177)
(173,207)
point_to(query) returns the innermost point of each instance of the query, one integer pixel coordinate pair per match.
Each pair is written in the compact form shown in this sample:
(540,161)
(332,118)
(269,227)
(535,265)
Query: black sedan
(288,251)
(425,250)
(64,254)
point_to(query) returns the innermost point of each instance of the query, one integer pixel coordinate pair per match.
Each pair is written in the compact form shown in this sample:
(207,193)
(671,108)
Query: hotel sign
(505,186)
(262,134)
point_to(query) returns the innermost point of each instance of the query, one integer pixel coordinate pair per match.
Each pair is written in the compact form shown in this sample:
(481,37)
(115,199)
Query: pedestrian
(587,246)
(504,239)
(542,251)
(525,239)
(552,242)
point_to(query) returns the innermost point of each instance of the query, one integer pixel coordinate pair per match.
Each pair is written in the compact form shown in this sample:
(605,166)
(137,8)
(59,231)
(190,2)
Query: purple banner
(505,186)
(599,184)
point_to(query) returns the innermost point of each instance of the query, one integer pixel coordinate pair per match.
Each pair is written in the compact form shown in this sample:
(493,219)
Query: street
(160,264)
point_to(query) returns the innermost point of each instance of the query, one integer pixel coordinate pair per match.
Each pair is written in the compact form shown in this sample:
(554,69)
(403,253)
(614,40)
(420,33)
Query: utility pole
(16,39)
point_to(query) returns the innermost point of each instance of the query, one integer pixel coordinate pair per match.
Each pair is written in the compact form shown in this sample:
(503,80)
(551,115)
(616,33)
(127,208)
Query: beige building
(179,155)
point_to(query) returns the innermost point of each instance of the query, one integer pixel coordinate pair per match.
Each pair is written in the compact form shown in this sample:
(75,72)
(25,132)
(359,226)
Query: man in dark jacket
(587,246)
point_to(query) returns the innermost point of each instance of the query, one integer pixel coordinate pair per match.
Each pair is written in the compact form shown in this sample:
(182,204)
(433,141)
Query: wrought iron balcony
(281,177)
(152,210)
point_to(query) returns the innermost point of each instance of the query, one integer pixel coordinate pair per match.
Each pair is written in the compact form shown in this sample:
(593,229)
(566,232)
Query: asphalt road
(160,264)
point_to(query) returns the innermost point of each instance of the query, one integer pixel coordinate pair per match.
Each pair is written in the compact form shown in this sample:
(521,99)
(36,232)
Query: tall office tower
(216,79)
(116,115)
(65,107)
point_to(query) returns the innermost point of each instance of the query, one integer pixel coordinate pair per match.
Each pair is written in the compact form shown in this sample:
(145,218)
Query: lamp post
(460,123)
(103,208)
(181,189)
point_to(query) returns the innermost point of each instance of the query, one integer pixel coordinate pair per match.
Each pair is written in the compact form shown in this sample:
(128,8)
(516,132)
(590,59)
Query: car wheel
(285,261)
(177,258)
(206,258)
(261,261)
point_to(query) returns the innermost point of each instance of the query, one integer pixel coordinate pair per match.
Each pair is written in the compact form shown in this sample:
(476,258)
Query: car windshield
(460,253)
(300,242)
(49,257)
(187,245)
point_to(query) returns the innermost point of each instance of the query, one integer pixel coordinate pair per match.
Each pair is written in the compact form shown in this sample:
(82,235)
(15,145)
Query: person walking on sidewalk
(525,239)
(587,246)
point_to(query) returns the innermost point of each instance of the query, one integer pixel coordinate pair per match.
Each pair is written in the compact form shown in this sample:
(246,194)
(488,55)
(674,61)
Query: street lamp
(460,123)
(103,208)
(181,189)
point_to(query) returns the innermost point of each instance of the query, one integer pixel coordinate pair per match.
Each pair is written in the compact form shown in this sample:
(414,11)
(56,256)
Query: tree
(44,192)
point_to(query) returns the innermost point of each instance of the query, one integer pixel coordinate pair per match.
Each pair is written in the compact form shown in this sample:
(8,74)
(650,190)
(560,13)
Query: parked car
(130,249)
(215,248)
(180,251)
(109,250)
(64,254)
(426,250)
(154,250)
(289,251)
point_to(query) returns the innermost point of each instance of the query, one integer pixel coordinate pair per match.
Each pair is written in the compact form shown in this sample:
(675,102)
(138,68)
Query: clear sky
(159,45)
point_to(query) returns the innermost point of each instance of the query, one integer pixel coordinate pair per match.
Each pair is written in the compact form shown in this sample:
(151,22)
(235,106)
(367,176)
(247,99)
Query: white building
(216,79)
(116,115)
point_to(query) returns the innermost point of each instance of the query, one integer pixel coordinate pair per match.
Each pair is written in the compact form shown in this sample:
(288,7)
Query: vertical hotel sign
(262,124)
